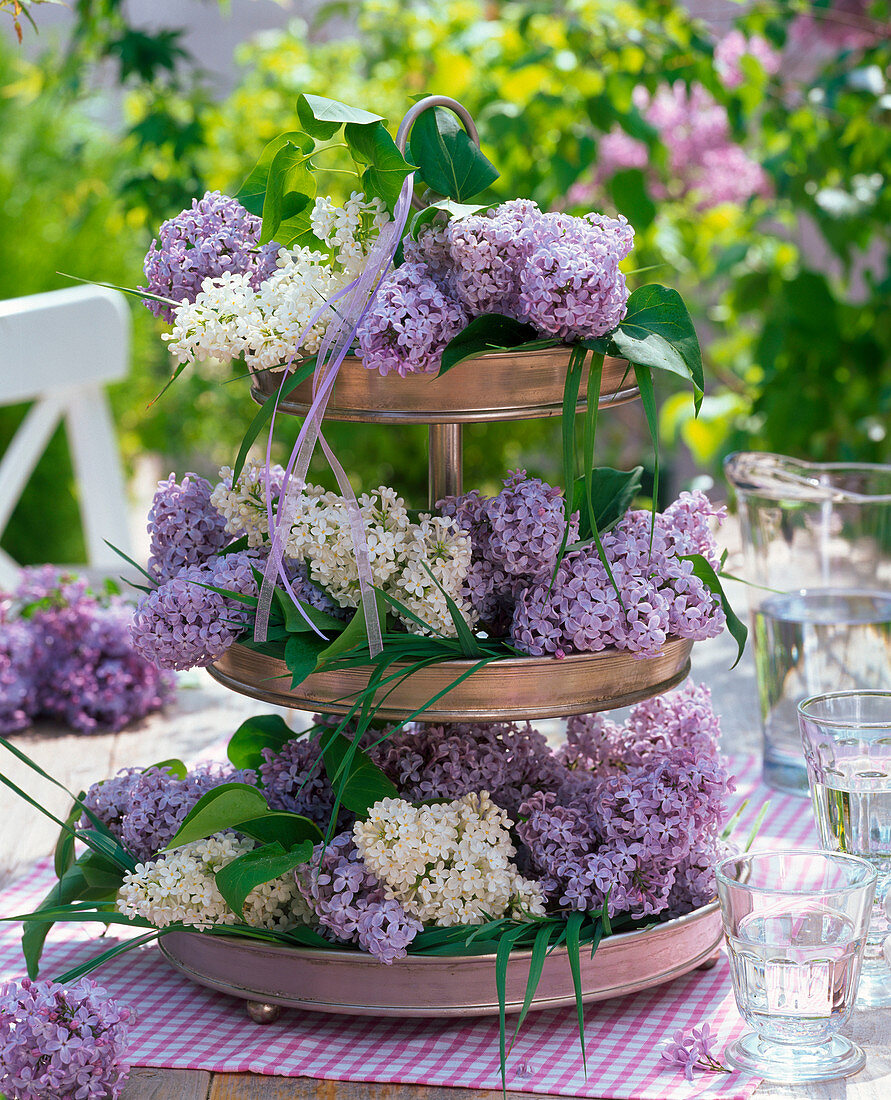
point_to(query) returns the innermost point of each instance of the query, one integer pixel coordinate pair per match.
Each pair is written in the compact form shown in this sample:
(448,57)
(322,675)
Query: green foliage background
(797,339)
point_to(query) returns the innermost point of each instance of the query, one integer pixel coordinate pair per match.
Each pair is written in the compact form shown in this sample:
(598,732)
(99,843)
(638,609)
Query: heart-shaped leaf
(222,808)
(245,873)
(289,188)
(365,784)
(387,167)
(450,162)
(612,492)
(487,333)
(252,192)
(288,829)
(263,731)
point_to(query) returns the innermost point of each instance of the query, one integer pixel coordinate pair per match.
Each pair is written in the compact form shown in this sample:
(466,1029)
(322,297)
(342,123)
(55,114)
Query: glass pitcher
(817,540)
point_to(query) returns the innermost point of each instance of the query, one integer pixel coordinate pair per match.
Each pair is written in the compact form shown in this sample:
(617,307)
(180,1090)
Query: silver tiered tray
(512,688)
(514,385)
(355,984)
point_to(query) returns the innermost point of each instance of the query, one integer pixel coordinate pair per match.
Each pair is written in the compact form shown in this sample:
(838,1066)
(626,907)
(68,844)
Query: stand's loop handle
(423,105)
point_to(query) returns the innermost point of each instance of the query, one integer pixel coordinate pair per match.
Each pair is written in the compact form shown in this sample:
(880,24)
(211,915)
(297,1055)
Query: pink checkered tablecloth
(184,1026)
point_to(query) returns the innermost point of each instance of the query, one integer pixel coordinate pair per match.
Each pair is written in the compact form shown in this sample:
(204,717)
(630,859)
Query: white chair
(59,350)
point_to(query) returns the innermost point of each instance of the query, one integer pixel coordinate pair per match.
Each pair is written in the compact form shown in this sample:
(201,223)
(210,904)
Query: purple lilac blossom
(145,808)
(184,527)
(838,25)
(409,323)
(81,667)
(184,624)
(216,236)
(509,760)
(349,903)
(661,597)
(18,690)
(733,47)
(294,780)
(695,1050)
(61,1041)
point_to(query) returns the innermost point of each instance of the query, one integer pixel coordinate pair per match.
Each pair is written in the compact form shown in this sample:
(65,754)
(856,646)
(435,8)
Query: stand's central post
(446,473)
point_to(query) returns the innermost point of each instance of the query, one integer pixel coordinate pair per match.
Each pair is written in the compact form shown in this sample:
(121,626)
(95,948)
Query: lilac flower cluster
(184,527)
(733,47)
(61,1041)
(704,163)
(838,25)
(558,273)
(349,902)
(145,808)
(409,323)
(217,236)
(295,780)
(635,824)
(516,538)
(508,760)
(185,624)
(695,1050)
(658,595)
(66,655)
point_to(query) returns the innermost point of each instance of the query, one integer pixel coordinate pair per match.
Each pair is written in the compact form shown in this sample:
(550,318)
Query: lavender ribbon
(356,299)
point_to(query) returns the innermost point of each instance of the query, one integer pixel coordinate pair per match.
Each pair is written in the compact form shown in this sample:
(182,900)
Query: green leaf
(99,960)
(252,192)
(108,848)
(63,855)
(387,167)
(365,782)
(444,210)
(302,654)
(71,887)
(451,163)
(487,333)
(612,492)
(322,118)
(355,633)
(573,924)
(657,332)
(289,188)
(222,808)
(286,828)
(704,571)
(295,623)
(100,873)
(263,731)
(631,196)
(536,965)
(246,872)
(505,946)
(174,766)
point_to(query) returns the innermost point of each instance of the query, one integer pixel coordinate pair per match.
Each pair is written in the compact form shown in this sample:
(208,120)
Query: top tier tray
(523,385)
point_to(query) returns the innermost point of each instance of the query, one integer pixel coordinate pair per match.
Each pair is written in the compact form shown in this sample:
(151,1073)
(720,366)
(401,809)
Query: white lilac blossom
(179,888)
(144,808)
(231,315)
(448,863)
(243,506)
(64,1041)
(409,323)
(580,611)
(184,623)
(349,903)
(185,526)
(216,236)
(66,655)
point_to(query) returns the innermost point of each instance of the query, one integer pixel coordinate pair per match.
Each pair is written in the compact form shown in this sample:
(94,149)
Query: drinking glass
(847,746)
(795,923)
(817,540)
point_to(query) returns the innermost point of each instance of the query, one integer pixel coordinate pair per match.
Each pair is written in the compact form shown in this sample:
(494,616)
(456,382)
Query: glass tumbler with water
(847,745)
(817,542)
(796,927)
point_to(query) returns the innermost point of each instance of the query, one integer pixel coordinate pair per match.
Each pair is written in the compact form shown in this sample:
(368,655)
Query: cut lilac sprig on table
(693,1049)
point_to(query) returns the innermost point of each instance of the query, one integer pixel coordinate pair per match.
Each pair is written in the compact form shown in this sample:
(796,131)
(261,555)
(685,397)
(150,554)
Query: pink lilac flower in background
(217,235)
(839,25)
(61,1041)
(733,47)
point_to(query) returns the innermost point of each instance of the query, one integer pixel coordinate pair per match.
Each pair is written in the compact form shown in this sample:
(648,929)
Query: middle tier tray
(516,385)
(514,688)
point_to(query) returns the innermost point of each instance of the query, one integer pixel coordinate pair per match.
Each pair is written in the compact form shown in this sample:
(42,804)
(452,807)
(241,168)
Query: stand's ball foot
(262,1013)
(709,964)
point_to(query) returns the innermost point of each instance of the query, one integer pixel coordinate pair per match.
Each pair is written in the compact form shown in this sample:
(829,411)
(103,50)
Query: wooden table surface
(205,713)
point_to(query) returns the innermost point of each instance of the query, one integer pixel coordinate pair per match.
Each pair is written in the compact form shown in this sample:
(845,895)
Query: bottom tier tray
(517,687)
(355,984)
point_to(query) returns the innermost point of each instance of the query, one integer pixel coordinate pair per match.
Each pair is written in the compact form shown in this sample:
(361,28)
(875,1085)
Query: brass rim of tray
(516,687)
(520,385)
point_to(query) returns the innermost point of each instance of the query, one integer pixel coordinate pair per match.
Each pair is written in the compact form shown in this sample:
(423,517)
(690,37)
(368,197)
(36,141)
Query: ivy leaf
(253,191)
(450,162)
(704,571)
(222,808)
(657,332)
(322,118)
(486,333)
(263,731)
(612,492)
(365,783)
(387,167)
(245,873)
